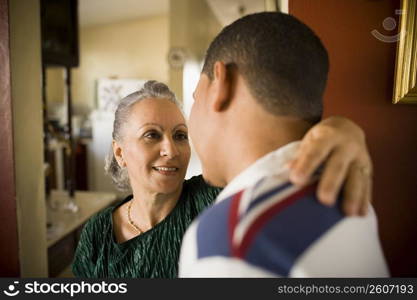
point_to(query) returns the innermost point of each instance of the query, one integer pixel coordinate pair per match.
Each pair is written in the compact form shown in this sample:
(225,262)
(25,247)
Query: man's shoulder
(282,229)
(269,195)
(269,224)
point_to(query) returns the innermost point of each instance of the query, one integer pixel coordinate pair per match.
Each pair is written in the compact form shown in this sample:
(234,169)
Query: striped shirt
(263,226)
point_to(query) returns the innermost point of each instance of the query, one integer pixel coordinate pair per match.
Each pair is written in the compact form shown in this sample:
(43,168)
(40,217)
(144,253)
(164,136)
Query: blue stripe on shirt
(212,231)
(268,195)
(289,233)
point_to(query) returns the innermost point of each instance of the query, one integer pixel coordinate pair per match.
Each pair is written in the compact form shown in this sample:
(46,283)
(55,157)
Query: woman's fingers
(367,174)
(368,197)
(339,145)
(333,176)
(313,150)
(354,191)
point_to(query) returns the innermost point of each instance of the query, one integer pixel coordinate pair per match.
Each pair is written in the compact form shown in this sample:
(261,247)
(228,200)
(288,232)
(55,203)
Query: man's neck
(248,132)
(255,140)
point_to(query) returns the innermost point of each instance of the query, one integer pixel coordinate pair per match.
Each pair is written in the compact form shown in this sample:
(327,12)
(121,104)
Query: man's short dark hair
(283,62)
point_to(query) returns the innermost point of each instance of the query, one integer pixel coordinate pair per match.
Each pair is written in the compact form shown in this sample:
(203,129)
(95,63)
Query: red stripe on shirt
(263,218)
(233,219)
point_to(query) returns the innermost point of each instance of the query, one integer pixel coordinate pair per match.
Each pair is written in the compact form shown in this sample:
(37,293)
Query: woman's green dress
(154,253)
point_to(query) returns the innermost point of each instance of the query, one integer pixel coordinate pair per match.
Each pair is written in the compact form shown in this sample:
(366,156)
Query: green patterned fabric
(152,254)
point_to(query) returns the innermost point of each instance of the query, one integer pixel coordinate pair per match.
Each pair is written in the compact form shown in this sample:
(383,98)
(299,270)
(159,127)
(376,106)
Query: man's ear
(221,86)
(117,152)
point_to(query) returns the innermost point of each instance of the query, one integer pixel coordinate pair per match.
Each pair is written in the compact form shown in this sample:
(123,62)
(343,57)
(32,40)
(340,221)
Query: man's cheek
(191,121)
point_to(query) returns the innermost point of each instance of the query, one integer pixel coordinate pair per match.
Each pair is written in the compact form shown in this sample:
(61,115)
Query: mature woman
(141,236)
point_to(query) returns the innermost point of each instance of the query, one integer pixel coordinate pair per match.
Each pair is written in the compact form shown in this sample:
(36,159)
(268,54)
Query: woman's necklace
(130,219)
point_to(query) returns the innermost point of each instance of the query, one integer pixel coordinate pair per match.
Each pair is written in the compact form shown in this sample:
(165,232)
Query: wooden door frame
(9,249)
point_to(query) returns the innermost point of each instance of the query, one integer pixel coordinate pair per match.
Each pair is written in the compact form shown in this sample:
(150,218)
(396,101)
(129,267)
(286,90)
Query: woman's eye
(181,136)
(152,135)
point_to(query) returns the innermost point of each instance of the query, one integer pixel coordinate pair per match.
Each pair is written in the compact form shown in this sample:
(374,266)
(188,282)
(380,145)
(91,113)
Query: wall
(192,26)
(25,63)
(360,87)
(55,84)
(129,49)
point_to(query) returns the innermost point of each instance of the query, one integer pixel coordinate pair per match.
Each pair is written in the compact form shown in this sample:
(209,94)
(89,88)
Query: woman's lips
(165,170)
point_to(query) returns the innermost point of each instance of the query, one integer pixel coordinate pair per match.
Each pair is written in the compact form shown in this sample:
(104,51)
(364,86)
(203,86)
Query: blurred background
(65,64)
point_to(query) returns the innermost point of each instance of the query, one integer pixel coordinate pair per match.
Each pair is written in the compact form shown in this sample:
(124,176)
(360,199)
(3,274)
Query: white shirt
(263,226)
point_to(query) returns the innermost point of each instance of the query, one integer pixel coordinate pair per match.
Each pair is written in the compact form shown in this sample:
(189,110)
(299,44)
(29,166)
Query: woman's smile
(167,170)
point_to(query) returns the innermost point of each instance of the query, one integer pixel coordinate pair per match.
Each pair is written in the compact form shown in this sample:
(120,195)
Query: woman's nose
(169,149)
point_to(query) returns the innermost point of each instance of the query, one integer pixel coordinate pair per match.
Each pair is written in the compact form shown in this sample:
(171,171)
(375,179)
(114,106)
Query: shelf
(64,222)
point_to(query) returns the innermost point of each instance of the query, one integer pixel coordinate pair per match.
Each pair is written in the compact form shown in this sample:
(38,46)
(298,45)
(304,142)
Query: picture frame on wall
(405,84)
(111,90)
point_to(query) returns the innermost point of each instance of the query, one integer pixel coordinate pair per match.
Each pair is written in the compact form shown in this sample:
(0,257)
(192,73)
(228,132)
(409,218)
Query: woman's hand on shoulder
(339,145)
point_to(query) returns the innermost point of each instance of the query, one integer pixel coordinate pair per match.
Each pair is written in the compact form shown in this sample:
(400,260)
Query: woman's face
(154,146)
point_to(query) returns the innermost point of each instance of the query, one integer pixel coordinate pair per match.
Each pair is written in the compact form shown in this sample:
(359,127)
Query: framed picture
(111,91)
(405,87)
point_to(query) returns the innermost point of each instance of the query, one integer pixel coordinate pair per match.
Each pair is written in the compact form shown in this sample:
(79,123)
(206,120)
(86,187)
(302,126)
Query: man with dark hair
(297,65)
(260,91)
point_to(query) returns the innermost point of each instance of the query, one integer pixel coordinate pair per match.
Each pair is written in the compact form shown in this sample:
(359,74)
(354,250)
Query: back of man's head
(283,62)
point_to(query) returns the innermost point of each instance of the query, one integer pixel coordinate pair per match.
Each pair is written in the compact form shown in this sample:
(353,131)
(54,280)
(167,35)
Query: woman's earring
(122,163)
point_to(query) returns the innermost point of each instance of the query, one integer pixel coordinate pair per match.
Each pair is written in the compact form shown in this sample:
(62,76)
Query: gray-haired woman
(141,235)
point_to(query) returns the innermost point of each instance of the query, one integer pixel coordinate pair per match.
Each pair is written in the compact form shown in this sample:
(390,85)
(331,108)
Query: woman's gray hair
(151,89)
